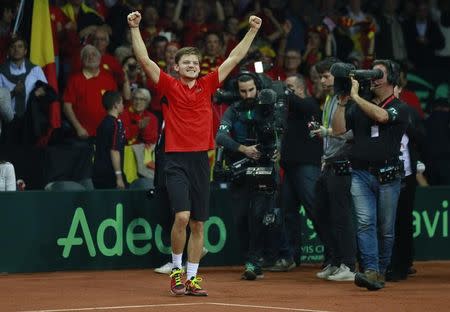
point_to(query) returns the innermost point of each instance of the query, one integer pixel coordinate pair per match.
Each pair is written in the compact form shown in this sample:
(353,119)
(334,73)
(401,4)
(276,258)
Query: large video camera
(265,117)
(342,83)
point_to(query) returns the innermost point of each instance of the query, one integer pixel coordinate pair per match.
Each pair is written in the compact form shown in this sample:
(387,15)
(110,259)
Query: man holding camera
(378,126)
(238,135)
(332,194)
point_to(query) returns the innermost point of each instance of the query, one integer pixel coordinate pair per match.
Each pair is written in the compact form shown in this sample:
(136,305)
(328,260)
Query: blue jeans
(375,208)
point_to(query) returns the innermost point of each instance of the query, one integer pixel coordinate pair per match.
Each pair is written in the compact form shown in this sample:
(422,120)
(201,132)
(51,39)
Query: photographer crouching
(248,136)
(378,125)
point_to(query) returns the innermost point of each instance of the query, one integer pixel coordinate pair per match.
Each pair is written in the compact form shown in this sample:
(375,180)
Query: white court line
(117,307)
(264,307)
(175,304)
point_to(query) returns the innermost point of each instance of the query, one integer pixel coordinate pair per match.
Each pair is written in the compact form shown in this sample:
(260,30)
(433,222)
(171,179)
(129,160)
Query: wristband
(118,172)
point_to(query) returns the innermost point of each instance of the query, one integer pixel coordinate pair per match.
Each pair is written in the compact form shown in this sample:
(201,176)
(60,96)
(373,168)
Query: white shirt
(405,155)
(30,81)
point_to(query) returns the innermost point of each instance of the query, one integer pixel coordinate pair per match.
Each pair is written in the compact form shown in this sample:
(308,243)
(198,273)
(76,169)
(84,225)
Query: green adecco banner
(52,231)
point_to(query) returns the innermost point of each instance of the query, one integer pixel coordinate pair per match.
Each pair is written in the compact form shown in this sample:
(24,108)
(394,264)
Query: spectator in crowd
(378,127)
(80,22)
(362,31)
(109,147)
(150,28)
(6,17)
(134,77)
(117,19)
(157,48)
(231,33)
(338,42)
(238,134)
(198,24)
(423,37)
(188,136)
(441,15)
(301,169)
(389,39)
(333,203)
(213,53)
(140,125)
(19,76)
(83,95)
(7,177)
(315,47)
(108,62)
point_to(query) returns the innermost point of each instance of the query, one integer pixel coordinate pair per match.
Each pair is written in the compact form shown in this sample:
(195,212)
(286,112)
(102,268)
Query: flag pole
(19,16)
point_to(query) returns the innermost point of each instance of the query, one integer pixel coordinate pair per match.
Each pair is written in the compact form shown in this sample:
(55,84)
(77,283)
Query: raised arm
(239,52)
(150,68)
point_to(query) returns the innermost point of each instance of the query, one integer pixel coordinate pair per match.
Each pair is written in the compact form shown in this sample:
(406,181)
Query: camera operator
(332,194)
(378,126)
(237,134)
(300,159)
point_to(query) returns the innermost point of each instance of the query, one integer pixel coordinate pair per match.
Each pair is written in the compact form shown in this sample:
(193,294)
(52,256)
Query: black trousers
(249,207)
(402,253)
(334,215)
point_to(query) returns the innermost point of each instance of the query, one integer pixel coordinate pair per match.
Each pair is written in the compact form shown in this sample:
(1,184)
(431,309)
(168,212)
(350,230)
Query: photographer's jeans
(375,208)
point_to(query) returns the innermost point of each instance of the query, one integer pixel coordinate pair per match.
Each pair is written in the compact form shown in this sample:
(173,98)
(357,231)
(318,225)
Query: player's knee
(182,218)
(196,226)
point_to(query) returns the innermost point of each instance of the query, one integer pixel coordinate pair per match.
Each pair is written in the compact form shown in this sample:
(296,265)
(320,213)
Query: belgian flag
(43,55)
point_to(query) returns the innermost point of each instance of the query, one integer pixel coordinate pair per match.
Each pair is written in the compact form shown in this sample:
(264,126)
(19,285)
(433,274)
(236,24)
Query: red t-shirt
(188,113)
(410,98)
(85,95)
(133,133)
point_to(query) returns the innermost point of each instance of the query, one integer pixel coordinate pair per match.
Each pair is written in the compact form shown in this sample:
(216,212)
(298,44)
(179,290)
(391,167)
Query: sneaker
(259,272)
(342,274)
(193,287)
(369,279)
(177,287)
(282,265)
(249,272)
(167,268)
(326,271)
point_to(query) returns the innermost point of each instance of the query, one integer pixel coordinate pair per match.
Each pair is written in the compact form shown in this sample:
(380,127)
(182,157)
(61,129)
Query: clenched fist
(134,18)
(255,22)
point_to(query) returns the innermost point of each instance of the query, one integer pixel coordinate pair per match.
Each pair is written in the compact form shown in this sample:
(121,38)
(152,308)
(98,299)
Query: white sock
(176,260)
(192,269)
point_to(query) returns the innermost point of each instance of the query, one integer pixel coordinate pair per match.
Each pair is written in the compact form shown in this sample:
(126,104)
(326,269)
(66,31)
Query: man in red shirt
(189,135)
(83,95)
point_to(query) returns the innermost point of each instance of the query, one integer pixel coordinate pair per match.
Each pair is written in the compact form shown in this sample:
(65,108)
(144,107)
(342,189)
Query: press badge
(374,133)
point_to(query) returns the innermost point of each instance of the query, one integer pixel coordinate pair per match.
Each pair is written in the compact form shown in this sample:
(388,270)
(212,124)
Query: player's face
(188,66)
(247,89)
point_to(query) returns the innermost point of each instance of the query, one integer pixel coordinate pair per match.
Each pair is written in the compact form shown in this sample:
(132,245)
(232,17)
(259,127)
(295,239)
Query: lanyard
(387,101)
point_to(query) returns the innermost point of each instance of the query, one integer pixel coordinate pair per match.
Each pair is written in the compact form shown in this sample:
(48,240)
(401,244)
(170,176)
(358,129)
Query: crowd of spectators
(93,53)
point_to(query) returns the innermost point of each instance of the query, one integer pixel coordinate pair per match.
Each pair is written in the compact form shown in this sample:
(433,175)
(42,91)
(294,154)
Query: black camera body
(265,118)
(342,83)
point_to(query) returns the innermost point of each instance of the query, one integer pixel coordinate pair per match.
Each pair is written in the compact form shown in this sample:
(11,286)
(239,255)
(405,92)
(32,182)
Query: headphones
(252,75)
(393,70)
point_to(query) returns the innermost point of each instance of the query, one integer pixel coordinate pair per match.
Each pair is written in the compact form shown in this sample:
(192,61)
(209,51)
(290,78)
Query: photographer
(238,135)
(378,126)
(332,194)
(300,159)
